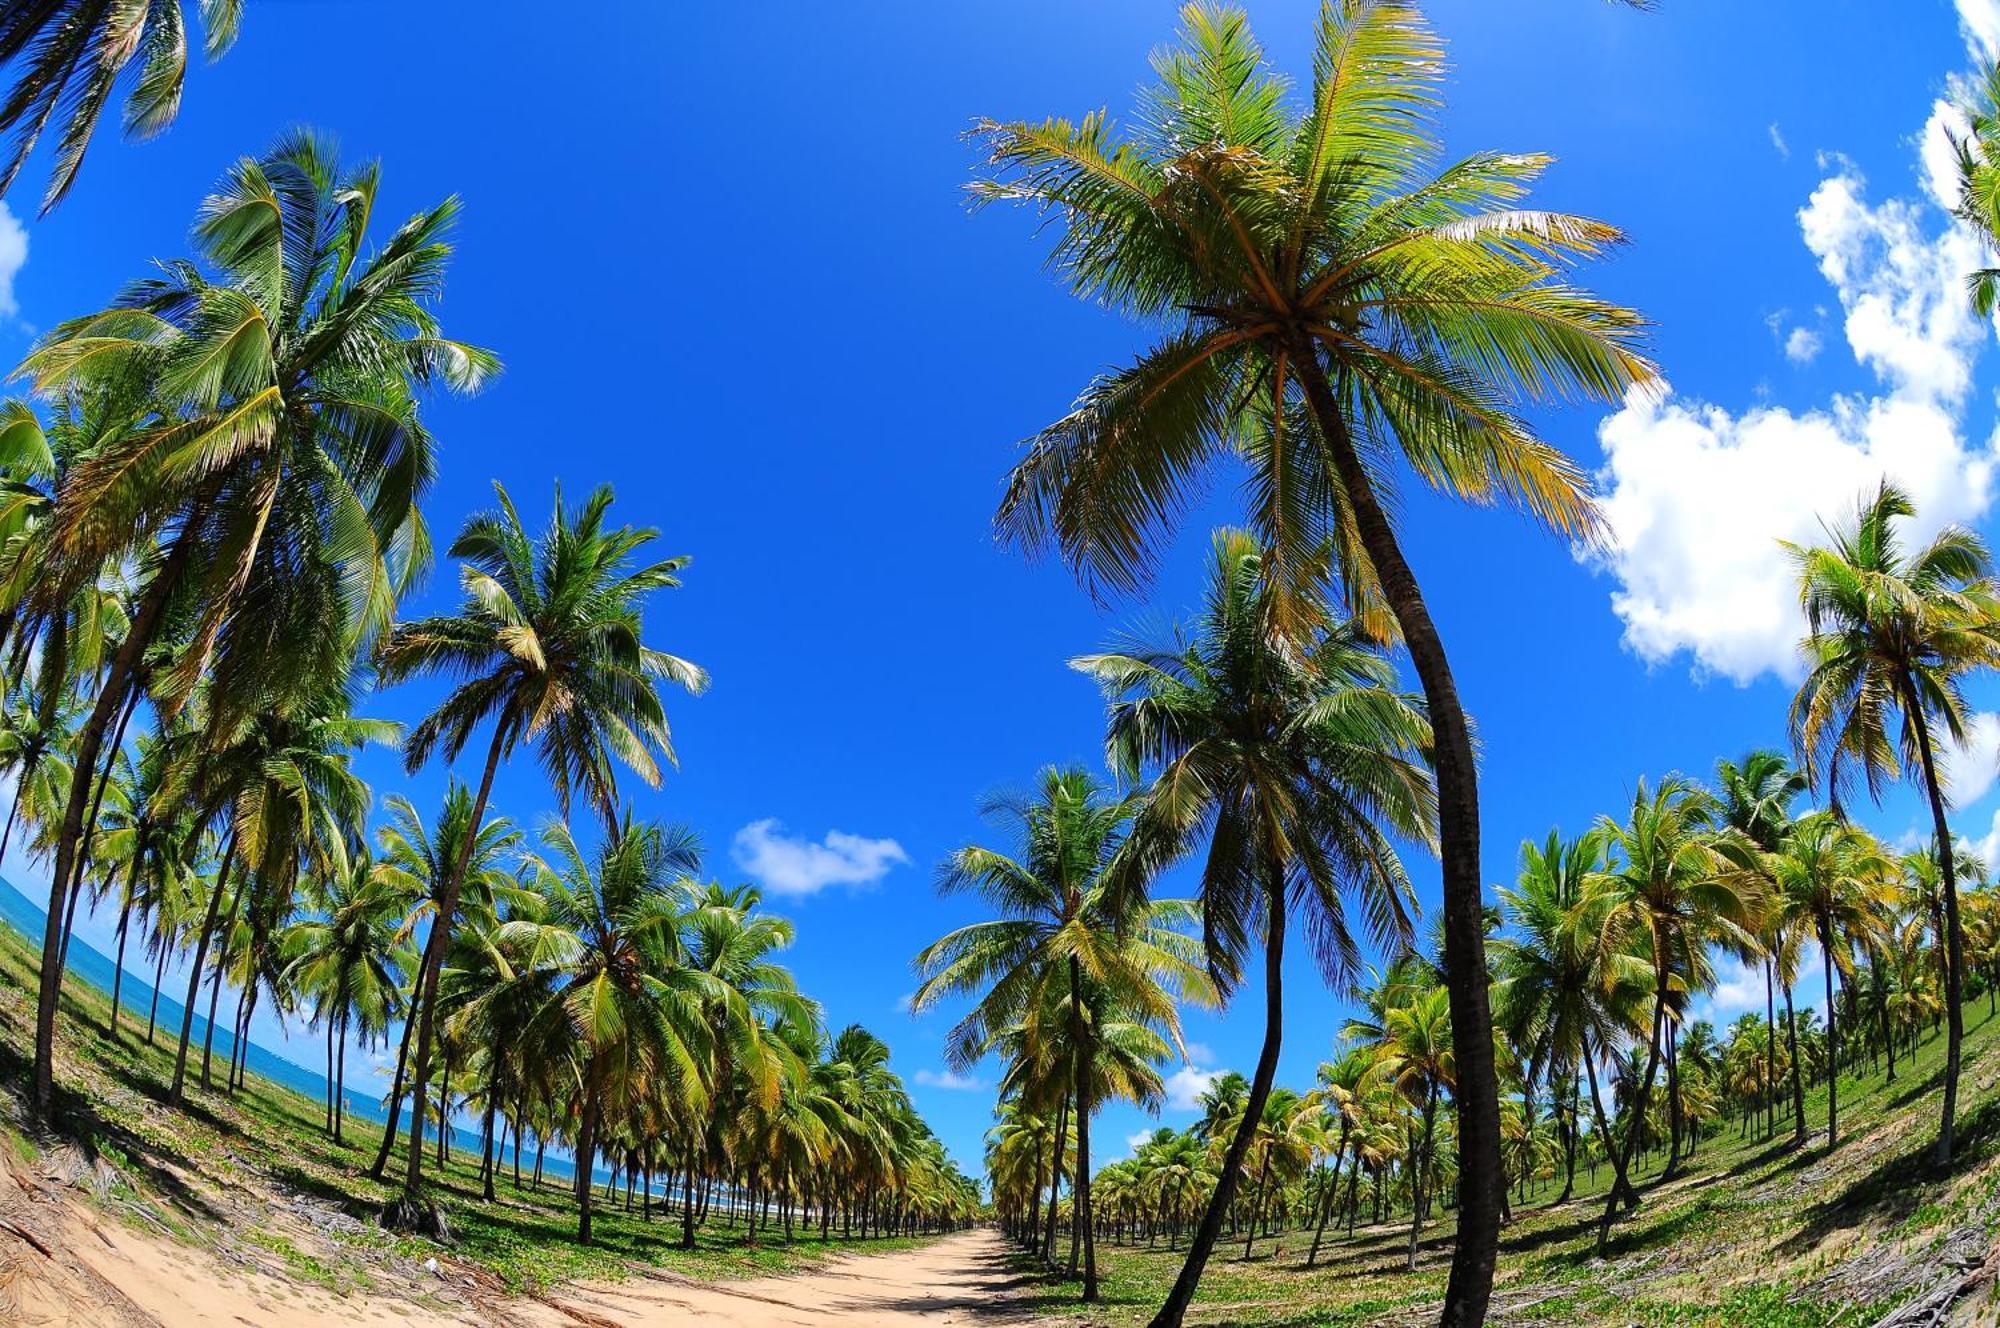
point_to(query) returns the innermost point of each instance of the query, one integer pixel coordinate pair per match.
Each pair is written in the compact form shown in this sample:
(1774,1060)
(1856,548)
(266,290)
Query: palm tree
(70,55)
(1297,760)
(342,957)
(1834,878)
(1554,993)
(627,998)
(1895,630)
(1417,1054)
(1063,927)
(1756,796)
(273,488)
(548,649)
(1664,902)
(1331,302)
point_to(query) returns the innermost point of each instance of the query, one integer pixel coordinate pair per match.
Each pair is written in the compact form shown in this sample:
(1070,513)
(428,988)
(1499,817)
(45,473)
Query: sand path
(960,1279)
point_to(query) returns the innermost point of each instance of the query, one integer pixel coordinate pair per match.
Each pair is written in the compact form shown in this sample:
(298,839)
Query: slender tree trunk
(1084,1212)
(1638,1124)
(1621,1186)
(124,927)
(228,925)
(1332,1191)
(194,972)
(1798,1082)
(1478,1088)
(586,1149)
(159,977)
(96,804)
(435,949)
(1832,1039)
(1203,1242)
(1058,1151)
(1420,1170)
(340,1081)
(395,1113)
(1674,1117)
(1954,967)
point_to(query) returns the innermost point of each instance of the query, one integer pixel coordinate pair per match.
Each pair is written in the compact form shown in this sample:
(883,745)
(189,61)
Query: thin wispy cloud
(797,867)
(13,257)
(949,1079)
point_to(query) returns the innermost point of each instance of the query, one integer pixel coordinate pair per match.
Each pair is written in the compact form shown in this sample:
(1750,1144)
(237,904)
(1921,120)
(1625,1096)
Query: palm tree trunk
(435,949)
(1674,1120)
(1083,1212)
(124,927)
(1798,1083)
(381,1163)
(1638,1124)
(1770,1047)
(586,1150)
(1620,1185)
(1219,1200)
(194,972)
(159,977)
(1832,1039)
(1954,967)
(1332,1190)
(1057,1151)
(96,805)
(1419,1169)
(1478,1089)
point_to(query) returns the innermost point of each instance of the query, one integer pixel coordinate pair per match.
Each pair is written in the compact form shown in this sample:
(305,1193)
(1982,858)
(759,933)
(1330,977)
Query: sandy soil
(62,1266)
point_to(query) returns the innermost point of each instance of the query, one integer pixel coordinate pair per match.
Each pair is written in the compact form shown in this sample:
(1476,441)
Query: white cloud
(788,865)
(948,1079)
(1986,847)
(13,257)
(1697,496)
(1200,1053)
(1979,20)
(1186,1085)
(1738,989)
(1971,766)
(1778,141)
(1802,345)
(1136,1140)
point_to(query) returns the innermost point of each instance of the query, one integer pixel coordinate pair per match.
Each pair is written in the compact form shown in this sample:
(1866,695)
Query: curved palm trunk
(435,948)
(89,747)
(124,929)
(1478,1090)
(159,977)
(1203,1243)
(1674,1118)
(1056,1151)
(1083,1218)
(1332,1192)
(586,1150)
(1420,1170)
(1954,967)
(194,972)
(84,863)
(1770,1048)
(1632,1131)
(1621,1187)
(388,1144)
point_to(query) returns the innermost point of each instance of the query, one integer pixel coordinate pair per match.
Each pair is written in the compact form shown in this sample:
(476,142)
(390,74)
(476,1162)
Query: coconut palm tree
(1105,951)
(1331,300)
(628,999)
(1665,900)
(1299,763)
(1755,798)
(1417,1055)
(548,650)
(342,959)
(273,489)
(1891,629)
(69,57)
(1835,878)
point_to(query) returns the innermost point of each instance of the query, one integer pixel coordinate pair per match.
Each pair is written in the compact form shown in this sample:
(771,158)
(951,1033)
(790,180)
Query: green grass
(255,1177)
(1754,1234)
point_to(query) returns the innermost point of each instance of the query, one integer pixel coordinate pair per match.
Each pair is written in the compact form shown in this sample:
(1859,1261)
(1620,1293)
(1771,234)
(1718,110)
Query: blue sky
(724,254)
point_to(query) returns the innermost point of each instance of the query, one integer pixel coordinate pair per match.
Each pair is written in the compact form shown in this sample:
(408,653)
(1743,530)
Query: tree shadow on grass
(1901,1182)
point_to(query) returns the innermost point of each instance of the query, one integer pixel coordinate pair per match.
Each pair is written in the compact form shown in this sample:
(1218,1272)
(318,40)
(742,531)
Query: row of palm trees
(208,530)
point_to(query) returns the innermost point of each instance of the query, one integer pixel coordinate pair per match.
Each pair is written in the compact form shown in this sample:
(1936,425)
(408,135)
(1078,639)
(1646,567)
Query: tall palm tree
(69,57)
(548,649)
(1417,1054)
(1667,898)
(1333,300)
(1755,797)
(1063,927)
(1300,764)
(272,491)
(1891,629)
(627,997)
(1835,878)
(342,958)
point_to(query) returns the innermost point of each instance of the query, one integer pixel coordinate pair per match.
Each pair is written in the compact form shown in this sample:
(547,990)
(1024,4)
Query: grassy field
(254,1177)
(1754,1234)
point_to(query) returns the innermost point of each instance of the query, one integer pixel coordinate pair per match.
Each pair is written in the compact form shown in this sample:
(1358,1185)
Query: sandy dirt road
(962,1279)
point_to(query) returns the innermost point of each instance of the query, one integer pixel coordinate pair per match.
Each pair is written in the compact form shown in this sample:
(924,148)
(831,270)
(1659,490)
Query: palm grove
(1336,309)
(213,507)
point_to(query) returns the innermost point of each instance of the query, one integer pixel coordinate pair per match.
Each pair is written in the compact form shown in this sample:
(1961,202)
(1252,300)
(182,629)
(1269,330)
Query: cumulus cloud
(789,865)
(1971,766)
(13,257)
(949,1079)
(1697,495)
(1802,345)
(1186,1085)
